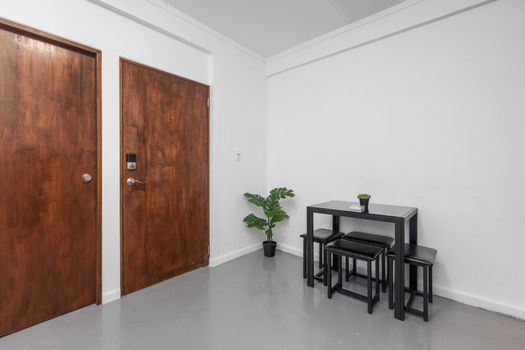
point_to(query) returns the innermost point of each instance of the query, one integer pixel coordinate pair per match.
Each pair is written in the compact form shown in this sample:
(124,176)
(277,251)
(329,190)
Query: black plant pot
(269,248)
(364,203)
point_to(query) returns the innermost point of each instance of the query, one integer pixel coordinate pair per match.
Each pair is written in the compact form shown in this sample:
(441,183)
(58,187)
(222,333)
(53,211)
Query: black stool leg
(320,256)
(340,269)
(390,284)
(304,258)
(377,279)
(325,264)
(369,285)
(383,268)
(386,258)
(354,266)
(327,257)
(425,293)
(430,291)
(347,262)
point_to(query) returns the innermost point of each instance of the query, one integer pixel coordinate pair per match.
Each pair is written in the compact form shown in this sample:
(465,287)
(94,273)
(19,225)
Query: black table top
(373,209)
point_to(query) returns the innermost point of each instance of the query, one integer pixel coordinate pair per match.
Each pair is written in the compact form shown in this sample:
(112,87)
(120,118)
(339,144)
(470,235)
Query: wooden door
(48,140)
(165,230)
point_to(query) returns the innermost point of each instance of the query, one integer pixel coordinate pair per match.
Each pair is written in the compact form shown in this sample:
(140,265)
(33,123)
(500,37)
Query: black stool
(322,236)
(384,242)
(357,251)
(418,256)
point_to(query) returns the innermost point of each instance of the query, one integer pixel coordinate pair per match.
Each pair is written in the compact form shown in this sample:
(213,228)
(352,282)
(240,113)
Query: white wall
(433,118)
(167,40)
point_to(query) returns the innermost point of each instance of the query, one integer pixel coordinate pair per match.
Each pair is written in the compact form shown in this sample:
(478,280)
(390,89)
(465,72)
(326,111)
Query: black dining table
(397,215)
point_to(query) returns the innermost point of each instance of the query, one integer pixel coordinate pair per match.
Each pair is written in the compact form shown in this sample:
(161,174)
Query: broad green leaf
(271,208)
(255,199)
(253,221)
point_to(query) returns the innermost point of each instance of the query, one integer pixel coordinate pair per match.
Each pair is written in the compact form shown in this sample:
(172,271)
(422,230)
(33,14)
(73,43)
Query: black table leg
(335,223)
(335,229)
(310,245)
(413,240)
(399,295)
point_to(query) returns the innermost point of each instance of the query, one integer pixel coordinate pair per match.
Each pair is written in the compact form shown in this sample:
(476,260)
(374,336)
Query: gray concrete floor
(262,303)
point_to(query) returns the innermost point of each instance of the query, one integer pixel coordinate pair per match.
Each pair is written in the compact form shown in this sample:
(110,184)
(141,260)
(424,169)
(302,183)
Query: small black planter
(269,248)
(364,202)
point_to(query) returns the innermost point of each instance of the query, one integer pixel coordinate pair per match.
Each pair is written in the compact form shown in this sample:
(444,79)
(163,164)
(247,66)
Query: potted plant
(274,214)
(364,198)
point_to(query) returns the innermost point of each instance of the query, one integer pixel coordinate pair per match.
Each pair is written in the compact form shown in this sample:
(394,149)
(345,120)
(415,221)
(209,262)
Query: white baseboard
(114,294)
(460,297)
(481,302)
(110,296)
(290,250)
(294,251)
(221,259)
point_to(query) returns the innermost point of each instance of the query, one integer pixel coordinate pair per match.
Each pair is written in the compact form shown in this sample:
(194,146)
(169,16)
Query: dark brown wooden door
(48,215)
(165,219)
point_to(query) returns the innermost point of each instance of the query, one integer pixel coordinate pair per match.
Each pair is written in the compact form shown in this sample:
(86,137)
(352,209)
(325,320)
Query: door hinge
(208,103)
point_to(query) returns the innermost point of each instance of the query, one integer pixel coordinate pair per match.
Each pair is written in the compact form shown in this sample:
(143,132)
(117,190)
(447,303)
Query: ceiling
(268,27)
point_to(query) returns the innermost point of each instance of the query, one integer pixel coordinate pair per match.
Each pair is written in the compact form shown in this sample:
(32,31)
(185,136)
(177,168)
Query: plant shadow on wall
(273,211)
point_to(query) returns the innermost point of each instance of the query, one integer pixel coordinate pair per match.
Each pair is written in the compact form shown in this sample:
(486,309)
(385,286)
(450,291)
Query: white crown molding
(352,26)
(178,16)
(190,20)
(407,16)
(111,6)
(301,54)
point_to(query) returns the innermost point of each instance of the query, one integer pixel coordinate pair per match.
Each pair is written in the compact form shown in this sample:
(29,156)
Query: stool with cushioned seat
(418,256)
(384,242)
(358,251)
(322,236)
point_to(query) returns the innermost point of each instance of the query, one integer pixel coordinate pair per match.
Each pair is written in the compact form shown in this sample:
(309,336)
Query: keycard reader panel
(131,161)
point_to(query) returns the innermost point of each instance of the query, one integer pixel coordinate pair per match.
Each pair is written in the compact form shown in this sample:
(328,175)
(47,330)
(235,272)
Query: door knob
(87,178)
(131,181)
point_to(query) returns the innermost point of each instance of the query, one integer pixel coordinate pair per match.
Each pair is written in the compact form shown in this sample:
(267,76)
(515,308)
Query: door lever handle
(131,181)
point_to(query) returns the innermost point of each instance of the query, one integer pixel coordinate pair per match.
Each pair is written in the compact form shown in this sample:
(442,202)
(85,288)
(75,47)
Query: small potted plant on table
(274,214)
(364,198)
